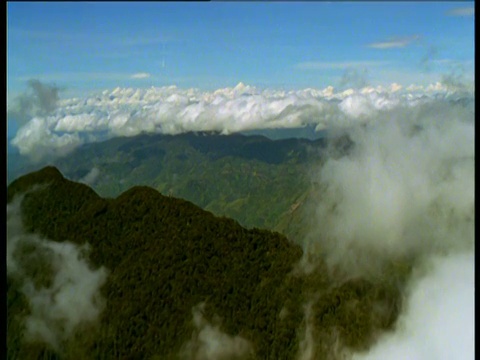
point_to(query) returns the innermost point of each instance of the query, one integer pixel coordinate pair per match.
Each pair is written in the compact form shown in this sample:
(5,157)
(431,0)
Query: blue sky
(90,46)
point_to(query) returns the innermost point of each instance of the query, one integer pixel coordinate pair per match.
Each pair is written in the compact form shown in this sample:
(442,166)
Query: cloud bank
(171,110)
(61,288)
(406,189)
(405,193)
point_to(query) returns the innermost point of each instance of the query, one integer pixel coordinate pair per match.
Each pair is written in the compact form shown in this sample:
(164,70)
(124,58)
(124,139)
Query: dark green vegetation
(256,181)
(252,179)
(165,256)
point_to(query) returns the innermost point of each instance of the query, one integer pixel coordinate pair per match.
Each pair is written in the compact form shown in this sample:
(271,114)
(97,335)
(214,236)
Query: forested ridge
(252,179)
(165,256)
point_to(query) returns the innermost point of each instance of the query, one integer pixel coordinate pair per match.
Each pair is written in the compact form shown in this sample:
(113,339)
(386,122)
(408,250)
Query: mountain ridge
(251,178)
(176,273)
(127,247)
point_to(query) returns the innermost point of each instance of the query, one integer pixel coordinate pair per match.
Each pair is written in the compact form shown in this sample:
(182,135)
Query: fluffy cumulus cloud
(61,287)
(171,110)
(39,140)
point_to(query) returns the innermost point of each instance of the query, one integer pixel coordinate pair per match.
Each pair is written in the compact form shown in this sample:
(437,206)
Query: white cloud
(91,177)
(438,86)
(142,75)
(37,140)
(405,190)
(439,322)
(172,110)
(210,343)
(395,87)
(394,42)
(462,11)
(77,122)
(356,105)
(408,187)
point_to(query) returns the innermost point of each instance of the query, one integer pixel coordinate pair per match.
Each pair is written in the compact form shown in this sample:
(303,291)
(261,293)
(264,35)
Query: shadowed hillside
(179,280)
(251,179)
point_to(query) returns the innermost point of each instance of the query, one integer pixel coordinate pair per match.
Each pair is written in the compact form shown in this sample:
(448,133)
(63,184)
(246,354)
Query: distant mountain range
(178,282)
(251,178)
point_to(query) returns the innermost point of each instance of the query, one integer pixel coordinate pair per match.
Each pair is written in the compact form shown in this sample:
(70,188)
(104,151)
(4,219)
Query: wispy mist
(405,192)
(91,177)
(61,287)
(406,188)
(439,322)
(210,343)
(355,78)
(38,100)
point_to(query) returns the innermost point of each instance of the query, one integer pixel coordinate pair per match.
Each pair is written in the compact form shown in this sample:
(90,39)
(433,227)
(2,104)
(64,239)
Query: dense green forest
(169,261)
(257,181)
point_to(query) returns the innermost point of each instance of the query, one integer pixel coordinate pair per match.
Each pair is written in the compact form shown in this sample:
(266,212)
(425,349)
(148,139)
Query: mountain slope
(181,279)
(255,180)
(252,179)
(165,256)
